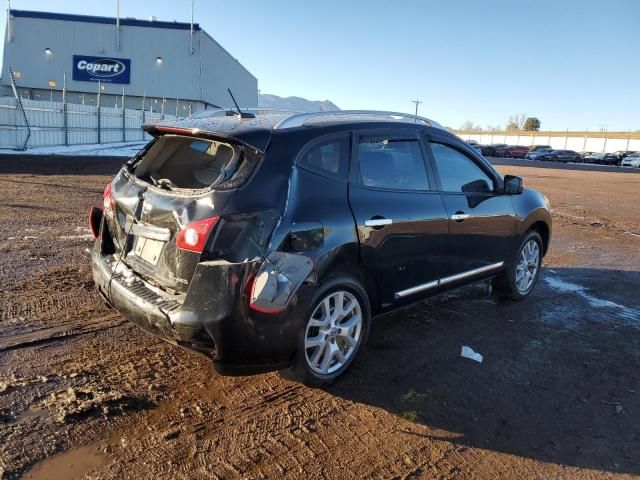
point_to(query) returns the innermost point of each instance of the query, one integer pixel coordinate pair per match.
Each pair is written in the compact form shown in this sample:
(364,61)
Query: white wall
(596,143)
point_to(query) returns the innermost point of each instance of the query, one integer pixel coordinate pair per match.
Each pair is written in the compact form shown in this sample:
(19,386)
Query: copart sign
(101,69)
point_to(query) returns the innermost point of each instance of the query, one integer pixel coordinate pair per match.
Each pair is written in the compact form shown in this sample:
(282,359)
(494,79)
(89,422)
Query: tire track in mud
(44,335)
(45,306)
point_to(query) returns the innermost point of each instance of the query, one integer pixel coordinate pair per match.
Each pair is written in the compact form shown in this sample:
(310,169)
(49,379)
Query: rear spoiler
(257,139)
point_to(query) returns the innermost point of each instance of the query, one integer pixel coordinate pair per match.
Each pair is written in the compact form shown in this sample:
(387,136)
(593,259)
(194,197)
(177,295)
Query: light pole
(48,54)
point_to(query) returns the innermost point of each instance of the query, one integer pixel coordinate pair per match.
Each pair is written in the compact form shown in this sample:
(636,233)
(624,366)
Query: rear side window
(328,157)
(389,163)
(457,172)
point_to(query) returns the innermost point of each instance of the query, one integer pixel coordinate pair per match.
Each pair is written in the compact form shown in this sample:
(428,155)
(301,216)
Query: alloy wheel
(333,332)
(528,265)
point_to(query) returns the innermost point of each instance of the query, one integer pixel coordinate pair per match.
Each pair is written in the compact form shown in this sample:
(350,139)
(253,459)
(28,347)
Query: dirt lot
(84,393)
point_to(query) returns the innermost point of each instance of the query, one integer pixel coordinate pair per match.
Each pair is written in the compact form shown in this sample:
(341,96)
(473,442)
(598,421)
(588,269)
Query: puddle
(68,465)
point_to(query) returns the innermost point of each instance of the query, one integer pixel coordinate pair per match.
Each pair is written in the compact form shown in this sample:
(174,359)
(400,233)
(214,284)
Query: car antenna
(240,112)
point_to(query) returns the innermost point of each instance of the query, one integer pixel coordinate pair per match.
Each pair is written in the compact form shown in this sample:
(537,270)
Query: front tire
(333,333)
(521,274)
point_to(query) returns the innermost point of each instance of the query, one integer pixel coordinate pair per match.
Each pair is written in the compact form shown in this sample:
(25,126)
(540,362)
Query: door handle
(378,222)
(459,217)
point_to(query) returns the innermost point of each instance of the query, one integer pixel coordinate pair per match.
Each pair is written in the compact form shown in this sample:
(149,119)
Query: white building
(168,64)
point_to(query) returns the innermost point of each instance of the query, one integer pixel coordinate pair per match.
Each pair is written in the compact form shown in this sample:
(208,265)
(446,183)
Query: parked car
(623,153)
(264,245)
(632,160)
(585,154)
(488,150)
(537,154)
(535,148)
(512,151)
(602,159)
(563,156)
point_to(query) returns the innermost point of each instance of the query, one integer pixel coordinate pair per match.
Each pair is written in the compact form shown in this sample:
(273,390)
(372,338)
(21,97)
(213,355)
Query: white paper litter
(467,352)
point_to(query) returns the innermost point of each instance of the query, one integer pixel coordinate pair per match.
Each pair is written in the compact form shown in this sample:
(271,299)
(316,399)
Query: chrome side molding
(416,289)
(447,280)
(470,273)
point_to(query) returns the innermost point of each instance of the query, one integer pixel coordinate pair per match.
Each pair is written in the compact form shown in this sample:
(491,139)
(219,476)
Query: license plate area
(148,249)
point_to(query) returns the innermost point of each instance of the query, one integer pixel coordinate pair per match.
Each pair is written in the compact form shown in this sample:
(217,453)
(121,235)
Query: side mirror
(513,185)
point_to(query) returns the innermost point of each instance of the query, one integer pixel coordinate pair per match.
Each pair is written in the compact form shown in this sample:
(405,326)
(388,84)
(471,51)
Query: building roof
(132,22)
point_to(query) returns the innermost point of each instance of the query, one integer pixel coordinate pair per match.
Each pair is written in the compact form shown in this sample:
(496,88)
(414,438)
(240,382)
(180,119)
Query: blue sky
(573,64)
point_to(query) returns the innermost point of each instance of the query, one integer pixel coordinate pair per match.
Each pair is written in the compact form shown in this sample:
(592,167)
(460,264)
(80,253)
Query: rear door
(401,220)
(481,220)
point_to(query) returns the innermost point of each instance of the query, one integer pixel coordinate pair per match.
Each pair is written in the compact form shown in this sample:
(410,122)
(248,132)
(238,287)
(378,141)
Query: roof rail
(221,112)
(298,119)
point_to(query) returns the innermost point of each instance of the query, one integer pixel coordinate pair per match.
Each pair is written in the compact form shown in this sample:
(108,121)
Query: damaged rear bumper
(146,306)
(213,318)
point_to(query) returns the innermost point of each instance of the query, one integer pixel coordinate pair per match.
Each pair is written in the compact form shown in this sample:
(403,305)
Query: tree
(532,124)
(469,126)
(516,122)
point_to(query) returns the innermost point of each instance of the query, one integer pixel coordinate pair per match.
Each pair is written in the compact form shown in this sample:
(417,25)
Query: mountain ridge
(298,104)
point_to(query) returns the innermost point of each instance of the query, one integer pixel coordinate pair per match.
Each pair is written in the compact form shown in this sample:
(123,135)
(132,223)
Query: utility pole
(417,102)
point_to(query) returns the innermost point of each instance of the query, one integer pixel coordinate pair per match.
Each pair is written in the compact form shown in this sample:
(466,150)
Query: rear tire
(331,339)
(520,276)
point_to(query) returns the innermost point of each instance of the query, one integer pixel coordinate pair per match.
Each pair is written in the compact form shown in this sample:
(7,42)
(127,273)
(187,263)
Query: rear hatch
(175,190)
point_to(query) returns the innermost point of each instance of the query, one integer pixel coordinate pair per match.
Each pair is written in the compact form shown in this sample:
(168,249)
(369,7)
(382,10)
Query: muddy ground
(84,394)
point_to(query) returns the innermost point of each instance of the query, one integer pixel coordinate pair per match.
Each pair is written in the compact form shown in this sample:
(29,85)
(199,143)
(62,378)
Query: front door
(481,220)
(402,223)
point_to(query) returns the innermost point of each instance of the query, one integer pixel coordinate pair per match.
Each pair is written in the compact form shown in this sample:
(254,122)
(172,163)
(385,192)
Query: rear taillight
(107,200)
(259,282)
(194,236)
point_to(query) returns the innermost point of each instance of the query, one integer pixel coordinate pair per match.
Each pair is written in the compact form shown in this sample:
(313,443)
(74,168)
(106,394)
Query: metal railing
(33,123)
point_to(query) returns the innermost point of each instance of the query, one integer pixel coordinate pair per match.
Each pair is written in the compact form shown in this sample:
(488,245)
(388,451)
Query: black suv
(269,243)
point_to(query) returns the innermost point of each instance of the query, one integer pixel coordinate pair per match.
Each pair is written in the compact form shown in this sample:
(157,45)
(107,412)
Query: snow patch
(84,236)
(568,287)
(126,149)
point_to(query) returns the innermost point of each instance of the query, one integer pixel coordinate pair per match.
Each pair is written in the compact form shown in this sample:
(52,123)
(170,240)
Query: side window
(392,163)
(329,158)
(458,173)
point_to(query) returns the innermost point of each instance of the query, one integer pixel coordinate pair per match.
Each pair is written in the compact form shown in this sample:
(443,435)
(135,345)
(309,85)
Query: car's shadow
(560,379)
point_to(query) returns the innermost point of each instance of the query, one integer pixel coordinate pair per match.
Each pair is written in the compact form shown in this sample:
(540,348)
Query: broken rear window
(182,162)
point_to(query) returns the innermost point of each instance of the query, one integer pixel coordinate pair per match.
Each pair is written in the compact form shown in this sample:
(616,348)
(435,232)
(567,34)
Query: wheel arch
(348,264)
(545,234)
